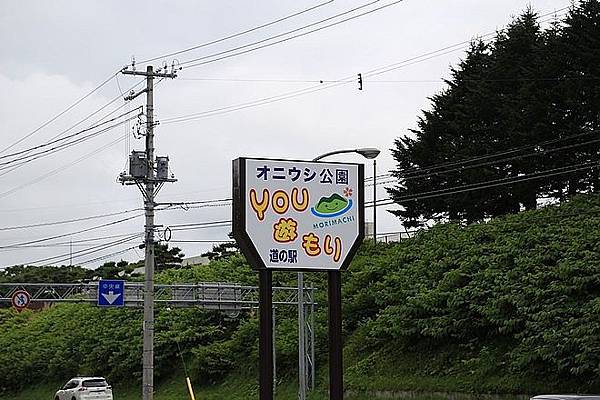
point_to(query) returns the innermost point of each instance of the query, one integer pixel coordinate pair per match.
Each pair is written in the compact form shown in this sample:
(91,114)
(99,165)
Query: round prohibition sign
(21,299)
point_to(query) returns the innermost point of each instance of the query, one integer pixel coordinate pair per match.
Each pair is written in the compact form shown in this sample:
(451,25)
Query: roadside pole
(148,351)
(148,191)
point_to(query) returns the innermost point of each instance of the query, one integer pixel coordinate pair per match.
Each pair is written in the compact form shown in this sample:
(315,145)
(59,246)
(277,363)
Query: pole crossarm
(228,297)
(151,74)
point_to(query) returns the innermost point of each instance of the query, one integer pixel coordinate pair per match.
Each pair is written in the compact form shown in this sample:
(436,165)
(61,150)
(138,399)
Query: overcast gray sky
(53,53)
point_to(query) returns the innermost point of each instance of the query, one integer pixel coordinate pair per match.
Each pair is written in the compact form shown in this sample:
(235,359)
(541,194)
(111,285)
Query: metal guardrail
(212,296)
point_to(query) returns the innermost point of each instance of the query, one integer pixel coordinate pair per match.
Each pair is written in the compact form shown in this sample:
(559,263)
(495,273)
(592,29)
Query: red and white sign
(21,299)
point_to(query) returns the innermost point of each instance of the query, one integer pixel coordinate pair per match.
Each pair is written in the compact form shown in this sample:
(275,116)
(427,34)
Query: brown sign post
(298,216)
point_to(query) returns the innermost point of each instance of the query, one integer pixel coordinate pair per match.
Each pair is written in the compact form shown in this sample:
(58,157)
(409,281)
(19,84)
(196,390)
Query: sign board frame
(119,301)
(240,200)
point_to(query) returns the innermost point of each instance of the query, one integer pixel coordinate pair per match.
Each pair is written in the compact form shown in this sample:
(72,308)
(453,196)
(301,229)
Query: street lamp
(334,290)
(367,152)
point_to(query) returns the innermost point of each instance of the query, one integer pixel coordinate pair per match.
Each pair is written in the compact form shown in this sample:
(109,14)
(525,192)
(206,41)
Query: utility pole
(142,173)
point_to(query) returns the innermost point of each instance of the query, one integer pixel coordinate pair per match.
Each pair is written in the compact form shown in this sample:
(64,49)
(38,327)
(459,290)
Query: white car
(85,388)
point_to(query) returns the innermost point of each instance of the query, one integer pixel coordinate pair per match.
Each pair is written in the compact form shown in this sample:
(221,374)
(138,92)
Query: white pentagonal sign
(298,215)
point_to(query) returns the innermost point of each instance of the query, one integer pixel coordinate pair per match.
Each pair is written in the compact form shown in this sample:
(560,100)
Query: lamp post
(335,312)
(369,153)
(374,201)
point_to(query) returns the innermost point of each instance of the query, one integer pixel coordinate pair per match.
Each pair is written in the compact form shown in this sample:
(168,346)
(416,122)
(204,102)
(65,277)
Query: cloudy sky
(271,103)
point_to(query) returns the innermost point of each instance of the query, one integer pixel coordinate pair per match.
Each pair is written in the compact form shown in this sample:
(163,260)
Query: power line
(108,255)
(223,225)
(60,114)
(441,80)
(200,224)
(80,242)
(60,169)
(81,121)
(97,125)
(319,87)
(236,34)
(493,162)
(83,252)
(241,106)
(202,241)
(112,101)
(187,204)
(13,164)
(488,184)
(198,207)
(408,172)
(257,80)
(451,48)
(69,221)
(198,61)
(71,233)
(44,153)
(273,37)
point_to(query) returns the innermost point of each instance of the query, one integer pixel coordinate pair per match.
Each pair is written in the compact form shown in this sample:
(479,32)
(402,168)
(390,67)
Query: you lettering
(279,201)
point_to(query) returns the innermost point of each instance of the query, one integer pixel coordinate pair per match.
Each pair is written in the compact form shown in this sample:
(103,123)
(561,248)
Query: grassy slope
(370,369)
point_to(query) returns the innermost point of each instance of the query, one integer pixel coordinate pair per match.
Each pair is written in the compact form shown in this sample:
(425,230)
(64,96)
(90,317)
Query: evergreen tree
(165,258)
(223,250)
(579,48)
(44,274)
(455,128)
(521,106)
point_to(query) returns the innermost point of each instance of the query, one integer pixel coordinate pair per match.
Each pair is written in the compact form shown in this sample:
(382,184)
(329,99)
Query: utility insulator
(360,82)
(162,167)
(138,167)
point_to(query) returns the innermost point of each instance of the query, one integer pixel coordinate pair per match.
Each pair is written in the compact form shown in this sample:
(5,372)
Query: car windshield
(94,383)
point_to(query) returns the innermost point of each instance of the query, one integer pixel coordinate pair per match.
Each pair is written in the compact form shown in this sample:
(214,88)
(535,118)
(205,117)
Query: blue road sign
(111,293)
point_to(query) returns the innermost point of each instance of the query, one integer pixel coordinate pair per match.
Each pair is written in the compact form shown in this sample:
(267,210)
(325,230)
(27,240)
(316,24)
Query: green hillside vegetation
(507,306)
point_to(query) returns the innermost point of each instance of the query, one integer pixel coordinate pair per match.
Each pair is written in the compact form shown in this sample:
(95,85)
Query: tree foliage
(519,294)
(526,284)
(223,250)
(521,106)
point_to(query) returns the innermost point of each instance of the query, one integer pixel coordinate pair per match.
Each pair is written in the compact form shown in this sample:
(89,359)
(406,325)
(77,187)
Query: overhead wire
(61,168)
(489,184)
(334,83)
(94,90)
(69,221)
(195,62)
(79,242)
(503,160)
(407,172)
(80,122)
(112,223)
(106,105)
(83,252)
(65,145)
(49,143)
(104,257)
(13,164)
(441,80)
(202,241)
(232,36)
